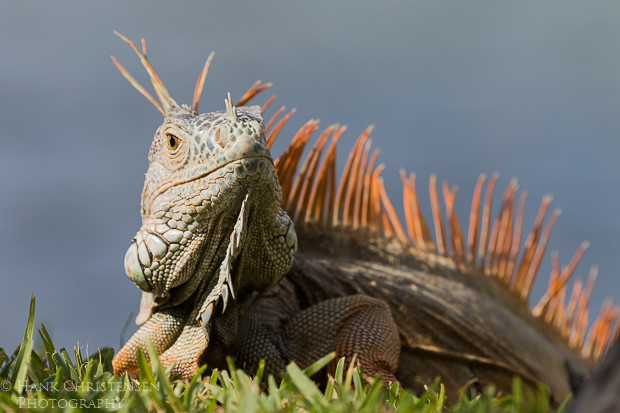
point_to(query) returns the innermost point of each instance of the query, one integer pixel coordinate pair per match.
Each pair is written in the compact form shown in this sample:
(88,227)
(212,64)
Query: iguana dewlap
(214,257)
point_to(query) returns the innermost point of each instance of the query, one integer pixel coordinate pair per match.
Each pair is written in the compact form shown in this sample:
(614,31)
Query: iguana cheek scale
(214,258)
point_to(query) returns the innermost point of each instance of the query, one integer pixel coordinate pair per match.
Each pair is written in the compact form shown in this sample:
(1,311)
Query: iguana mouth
(203,170)
(158,258)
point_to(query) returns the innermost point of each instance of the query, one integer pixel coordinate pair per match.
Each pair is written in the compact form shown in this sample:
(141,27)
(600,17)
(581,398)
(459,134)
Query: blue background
(529,89)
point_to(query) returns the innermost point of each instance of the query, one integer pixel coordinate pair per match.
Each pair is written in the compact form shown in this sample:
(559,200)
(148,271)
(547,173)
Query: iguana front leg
(277,330)
(180,340)
(161,330)
(186,351)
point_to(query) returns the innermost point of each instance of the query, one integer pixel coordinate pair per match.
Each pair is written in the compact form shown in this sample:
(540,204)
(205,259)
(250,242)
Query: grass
(52,380)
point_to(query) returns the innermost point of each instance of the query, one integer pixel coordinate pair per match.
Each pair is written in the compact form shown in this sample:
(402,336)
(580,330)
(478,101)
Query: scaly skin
(363,300)
(214,258)
(210,192)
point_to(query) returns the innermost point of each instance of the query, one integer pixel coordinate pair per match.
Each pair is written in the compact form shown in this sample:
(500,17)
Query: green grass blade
(348,378)
(49,373)
(225,379)
(564,405)
(258,377)
(5,363)
(23,357)
(163,382)
(49,346)
(274,390)
(339,371)
(393,394)
(357,383)
(37,368)
(305,386)
(151,388)
(189,395)
(106,355)
(329,389)
(373,395)
(318,365)
(69,366)
(58,381)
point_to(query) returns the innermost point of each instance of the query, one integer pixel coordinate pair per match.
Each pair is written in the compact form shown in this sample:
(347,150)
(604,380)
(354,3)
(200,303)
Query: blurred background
(528,89)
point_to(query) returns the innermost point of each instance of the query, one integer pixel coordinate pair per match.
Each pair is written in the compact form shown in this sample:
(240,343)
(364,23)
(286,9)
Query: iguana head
(211,180)
(200,168)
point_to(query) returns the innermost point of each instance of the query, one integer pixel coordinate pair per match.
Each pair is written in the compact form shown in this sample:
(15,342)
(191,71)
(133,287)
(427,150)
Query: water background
(529,89)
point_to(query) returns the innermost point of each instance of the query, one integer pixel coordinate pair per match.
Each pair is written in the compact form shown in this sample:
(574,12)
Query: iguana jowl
(214,258)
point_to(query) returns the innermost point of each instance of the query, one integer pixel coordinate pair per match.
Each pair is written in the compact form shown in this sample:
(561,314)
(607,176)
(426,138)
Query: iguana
(225,272)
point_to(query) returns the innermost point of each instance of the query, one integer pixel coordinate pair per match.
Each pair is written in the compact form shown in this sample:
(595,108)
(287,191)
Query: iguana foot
(354,326)
(161,330)
(185,351)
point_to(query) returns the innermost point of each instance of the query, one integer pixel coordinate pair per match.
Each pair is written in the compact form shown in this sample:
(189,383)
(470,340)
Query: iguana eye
(172,141)
(172,147)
